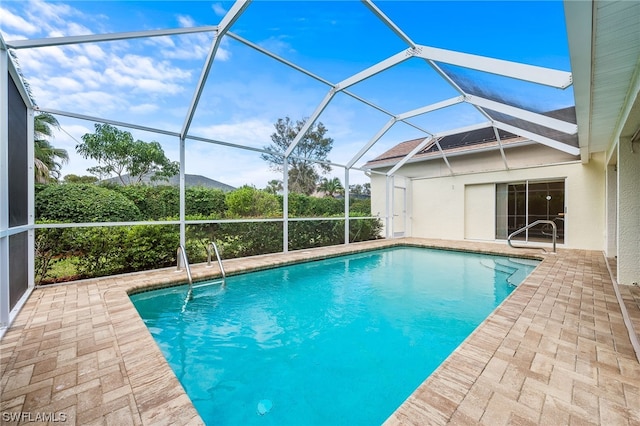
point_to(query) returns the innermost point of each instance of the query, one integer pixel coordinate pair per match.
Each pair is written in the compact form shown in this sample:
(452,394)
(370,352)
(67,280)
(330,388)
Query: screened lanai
(438,106)
(375,64)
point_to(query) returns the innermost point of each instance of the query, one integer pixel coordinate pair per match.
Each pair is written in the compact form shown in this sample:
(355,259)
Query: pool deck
(555,352)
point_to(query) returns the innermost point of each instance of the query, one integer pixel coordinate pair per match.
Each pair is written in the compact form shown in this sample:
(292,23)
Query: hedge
(100,251)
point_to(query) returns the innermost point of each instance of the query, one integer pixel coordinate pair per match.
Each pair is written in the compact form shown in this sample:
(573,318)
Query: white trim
(31,245)
(4,189)
(182,194)
(375,69)
(413,152)
(346,206)
(463,129)
(552,143)
(278,58)
(388,22)
(532,117)
(107,121)
(432,107)
(502,154)
(227,21)
(94,38)
(285,205)
(309,122)
(580,34)
(534,74)
(231,145)
(372,142)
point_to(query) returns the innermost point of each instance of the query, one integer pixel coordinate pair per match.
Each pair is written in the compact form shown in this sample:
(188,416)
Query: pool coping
(101,359)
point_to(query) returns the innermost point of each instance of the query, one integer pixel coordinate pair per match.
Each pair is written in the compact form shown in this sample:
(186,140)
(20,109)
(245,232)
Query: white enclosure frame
(539,75)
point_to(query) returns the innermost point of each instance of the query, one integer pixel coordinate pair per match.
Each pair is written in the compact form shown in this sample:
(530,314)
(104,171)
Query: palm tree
(331,187)
(303,179)
(48,160)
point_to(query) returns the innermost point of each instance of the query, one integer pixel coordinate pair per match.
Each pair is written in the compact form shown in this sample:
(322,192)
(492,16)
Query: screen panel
(18,267)
(18,158)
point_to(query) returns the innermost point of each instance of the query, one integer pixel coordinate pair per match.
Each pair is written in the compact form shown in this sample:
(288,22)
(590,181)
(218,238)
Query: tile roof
(459,142)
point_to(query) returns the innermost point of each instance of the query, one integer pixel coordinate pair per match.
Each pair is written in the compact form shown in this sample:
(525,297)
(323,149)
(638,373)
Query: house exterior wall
(463,206)
(628,212)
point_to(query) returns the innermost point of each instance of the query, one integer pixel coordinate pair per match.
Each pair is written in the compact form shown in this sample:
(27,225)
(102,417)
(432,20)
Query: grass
(63,269)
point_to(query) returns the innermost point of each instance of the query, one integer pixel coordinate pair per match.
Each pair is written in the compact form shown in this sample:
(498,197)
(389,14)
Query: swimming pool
(339,341)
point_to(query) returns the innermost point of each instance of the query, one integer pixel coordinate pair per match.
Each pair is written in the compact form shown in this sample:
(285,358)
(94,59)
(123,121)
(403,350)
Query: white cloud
(9,20)
(277,45)
(223,54)
(92,51)
(162,42)
(186,21)
(253,133)
(144,108)
(218,9)
(65,84)
(91,78)
(94,103)
(73,28)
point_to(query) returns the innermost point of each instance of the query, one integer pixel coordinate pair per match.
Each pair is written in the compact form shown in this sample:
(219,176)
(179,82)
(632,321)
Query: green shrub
(154,202)
(50,247)
(325,206)
(151,247)
(298,204)
(115,250)
(101,251)
(316,233)
(364,229)
(208,202)
(247,201)
(362,206)
(249,239)
(81,203)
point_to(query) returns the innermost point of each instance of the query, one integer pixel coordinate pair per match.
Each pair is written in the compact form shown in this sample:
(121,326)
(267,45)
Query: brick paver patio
(555,352)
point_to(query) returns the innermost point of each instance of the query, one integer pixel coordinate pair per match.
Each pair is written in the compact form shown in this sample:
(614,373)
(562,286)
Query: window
(521,203)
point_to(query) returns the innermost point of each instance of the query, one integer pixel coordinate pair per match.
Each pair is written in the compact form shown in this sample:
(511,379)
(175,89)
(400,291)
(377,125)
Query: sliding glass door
(521,203)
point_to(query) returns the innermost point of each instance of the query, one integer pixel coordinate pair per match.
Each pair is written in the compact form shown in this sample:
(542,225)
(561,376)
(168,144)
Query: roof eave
(494,146)
(580,39)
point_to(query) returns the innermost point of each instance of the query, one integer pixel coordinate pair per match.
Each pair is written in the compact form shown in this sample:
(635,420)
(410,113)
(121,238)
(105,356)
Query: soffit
(606,62)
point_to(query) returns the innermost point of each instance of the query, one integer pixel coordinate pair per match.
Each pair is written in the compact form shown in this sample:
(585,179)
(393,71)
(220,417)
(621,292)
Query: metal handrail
(181,256)
(215,249)
(537,222)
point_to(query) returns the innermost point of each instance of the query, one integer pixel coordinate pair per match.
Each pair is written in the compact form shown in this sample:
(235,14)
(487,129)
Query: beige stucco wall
(463,206)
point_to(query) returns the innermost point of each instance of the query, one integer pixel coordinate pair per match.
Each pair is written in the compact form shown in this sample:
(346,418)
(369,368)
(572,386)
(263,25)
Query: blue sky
(151,81)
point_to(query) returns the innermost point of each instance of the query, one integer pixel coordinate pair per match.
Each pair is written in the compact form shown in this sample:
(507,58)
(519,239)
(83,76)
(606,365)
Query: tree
(117,152)
(48,160)
(304,170)
(331,187)
(71,178)
(274,186)
(360,190)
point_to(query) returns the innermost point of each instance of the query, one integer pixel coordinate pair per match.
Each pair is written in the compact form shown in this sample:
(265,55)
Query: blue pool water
(339,341)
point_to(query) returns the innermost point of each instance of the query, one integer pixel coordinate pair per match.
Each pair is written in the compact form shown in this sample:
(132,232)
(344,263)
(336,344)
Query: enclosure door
(399,211)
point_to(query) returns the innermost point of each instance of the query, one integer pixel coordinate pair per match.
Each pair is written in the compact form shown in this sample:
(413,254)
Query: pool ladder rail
(554,234)
(183,261)
(212,245)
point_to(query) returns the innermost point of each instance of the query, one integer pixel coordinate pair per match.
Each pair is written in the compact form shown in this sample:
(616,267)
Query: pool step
(514,267)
